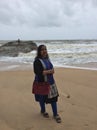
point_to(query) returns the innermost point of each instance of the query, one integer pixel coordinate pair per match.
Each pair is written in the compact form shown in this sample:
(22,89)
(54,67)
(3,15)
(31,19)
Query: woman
(43,69)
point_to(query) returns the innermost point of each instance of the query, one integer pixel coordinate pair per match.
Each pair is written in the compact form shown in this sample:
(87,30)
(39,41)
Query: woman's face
(43,52)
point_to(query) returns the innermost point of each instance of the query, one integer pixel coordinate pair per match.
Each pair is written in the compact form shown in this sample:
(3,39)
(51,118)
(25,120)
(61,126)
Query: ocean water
(61,52)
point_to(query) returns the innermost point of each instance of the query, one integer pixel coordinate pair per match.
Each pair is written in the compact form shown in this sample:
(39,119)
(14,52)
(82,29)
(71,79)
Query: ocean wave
(61,53)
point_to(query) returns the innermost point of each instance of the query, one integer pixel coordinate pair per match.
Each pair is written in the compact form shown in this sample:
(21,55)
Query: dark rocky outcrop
(13,48)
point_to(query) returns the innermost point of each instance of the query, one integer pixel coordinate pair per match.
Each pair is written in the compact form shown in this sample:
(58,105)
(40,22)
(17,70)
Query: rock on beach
(13,48)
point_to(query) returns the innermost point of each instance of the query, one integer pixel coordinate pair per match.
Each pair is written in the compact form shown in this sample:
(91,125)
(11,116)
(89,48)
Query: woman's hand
(51,71)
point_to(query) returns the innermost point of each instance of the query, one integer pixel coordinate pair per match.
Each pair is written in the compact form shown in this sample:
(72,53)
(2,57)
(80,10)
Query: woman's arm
(51,71)
(38,68)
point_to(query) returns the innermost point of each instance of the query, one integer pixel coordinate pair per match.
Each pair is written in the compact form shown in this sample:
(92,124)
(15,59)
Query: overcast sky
(48,19)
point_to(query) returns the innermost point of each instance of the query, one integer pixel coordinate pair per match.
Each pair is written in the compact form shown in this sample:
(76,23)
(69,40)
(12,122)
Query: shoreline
(10,66)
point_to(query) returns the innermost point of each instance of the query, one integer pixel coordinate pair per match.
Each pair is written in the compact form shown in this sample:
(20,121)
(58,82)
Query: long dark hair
(39,52)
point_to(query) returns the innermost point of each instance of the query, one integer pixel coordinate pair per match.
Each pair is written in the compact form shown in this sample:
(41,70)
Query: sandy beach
(19,111)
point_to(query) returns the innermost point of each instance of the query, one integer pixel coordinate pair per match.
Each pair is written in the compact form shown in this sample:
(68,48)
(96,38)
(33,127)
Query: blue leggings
(53,105)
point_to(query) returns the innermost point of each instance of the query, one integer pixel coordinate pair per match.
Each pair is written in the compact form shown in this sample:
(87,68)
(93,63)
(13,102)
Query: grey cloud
(43,13)
(33,12)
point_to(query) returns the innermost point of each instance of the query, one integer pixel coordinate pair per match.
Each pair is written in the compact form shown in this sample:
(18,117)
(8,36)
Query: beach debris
(68,96)
(65,95)
(13,48)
